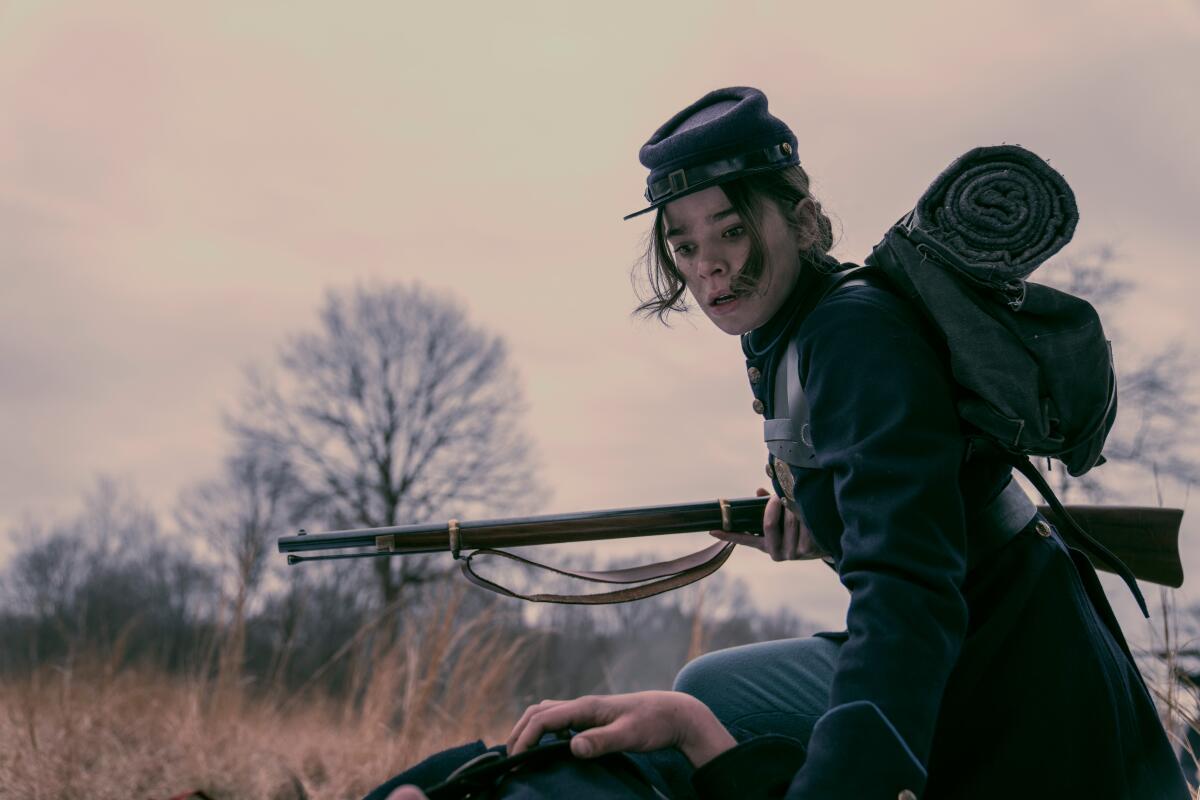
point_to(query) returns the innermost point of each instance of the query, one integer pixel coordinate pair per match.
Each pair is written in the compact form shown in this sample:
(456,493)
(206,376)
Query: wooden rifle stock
(1146,539)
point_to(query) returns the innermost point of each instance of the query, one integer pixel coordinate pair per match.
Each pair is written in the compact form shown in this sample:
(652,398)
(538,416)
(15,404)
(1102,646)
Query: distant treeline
(113,583)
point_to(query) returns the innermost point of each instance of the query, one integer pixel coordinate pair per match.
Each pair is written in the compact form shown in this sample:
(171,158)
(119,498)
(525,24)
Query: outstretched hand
(785,536)
(637,722)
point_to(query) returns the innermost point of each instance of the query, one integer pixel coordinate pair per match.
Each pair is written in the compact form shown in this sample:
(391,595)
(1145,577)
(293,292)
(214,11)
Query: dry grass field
(94,731)
(100,731)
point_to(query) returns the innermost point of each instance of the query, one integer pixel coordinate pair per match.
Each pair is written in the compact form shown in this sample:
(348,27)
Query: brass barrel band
(452,528)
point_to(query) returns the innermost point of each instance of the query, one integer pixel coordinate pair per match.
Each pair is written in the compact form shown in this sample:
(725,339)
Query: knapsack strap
(1073,532)
(663,576)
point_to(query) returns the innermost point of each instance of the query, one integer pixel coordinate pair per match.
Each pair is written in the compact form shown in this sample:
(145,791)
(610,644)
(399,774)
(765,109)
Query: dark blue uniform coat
(1011,680)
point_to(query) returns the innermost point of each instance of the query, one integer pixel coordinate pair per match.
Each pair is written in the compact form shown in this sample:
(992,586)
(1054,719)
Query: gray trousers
(770,687)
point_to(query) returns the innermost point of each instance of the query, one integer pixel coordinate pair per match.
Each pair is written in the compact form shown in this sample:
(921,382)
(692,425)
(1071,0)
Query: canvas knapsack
(1033,364)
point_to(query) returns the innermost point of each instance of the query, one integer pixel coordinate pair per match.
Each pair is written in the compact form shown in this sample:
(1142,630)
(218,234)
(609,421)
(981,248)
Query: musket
(1145,539)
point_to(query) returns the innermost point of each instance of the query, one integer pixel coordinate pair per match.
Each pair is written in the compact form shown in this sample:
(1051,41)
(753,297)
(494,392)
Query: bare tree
(395,410)
(1158,393)
(54,562)
(106,577)
(238,515)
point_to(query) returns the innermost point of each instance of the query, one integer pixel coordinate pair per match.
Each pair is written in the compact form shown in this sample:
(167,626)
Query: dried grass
(98,731)
(103,729)
(1174,691)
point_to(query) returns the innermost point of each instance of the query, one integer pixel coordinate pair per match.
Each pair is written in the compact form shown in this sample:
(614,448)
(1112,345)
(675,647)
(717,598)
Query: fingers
(772,531)
(773,528)
(555,715)
(772,517)
(806,546)
(606,739)
(748,539)
(523,722)
(791,537)
(785,537)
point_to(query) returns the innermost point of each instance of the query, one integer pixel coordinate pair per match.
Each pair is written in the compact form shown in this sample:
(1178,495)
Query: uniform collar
(810,287)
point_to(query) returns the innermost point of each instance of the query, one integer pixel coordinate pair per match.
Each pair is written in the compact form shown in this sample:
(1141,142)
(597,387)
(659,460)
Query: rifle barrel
(744,514)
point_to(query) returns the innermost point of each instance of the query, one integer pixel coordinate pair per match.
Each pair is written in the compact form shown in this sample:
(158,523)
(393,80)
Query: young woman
(981,659)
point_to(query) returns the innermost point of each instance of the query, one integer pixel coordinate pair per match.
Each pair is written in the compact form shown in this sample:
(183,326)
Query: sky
(181,183)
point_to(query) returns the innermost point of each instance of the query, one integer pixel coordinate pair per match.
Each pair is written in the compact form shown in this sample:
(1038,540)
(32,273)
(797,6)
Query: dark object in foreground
(545,771)
(1146,539)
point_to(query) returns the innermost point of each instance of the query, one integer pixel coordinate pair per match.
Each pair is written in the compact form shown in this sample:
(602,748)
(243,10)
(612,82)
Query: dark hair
(785,187)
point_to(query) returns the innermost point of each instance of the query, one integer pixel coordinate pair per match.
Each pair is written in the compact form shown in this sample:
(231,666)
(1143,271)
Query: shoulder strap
(787,434)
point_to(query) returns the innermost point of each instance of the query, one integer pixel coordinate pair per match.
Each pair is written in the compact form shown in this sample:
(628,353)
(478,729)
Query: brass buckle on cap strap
(678,180)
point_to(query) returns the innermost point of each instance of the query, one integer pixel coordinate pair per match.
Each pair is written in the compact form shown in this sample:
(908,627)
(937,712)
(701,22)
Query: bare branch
(395,409)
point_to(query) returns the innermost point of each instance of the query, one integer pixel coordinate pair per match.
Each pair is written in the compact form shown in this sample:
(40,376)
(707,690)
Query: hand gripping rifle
(1145,539)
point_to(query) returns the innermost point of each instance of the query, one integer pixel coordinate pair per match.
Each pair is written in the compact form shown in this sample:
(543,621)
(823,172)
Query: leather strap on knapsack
(1073,532)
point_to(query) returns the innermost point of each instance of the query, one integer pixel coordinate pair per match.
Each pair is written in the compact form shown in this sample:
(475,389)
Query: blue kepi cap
(724,135)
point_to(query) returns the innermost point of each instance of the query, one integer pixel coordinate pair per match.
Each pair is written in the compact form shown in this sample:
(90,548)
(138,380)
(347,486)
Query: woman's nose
(709,266)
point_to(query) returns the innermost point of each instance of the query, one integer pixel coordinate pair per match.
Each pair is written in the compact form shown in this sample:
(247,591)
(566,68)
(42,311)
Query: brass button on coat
(786,147)
(758,406)
(754,374)
(1042,527)
(907,794)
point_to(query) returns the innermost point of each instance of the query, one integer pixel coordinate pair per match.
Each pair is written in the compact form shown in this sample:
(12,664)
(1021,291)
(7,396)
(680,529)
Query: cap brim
(689,190)
(638,213)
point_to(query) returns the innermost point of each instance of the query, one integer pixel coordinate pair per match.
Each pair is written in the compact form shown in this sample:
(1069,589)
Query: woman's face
(710,246)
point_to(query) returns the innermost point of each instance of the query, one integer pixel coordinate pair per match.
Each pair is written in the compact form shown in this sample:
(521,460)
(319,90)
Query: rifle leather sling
(663,576)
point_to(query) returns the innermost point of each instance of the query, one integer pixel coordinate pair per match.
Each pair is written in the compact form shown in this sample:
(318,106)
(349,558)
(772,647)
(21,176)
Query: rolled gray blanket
(999,211)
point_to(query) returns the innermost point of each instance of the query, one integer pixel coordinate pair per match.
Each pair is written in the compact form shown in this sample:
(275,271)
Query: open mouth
(721,300)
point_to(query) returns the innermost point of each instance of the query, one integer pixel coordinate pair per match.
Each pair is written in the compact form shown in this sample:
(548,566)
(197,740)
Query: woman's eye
(683,249)
(735,231)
